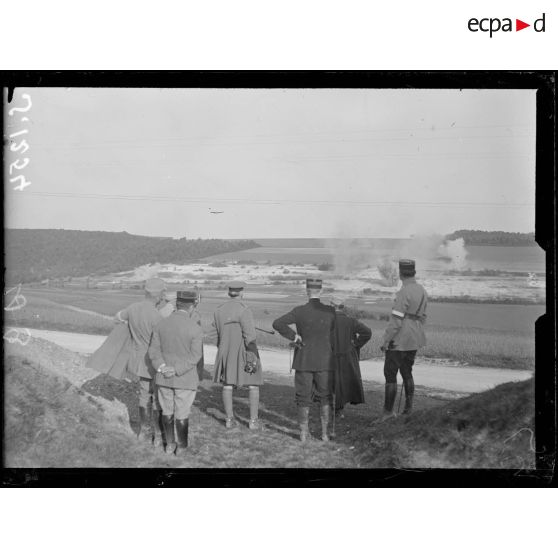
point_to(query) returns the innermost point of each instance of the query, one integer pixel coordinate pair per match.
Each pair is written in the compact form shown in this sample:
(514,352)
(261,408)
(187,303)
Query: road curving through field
(465,379)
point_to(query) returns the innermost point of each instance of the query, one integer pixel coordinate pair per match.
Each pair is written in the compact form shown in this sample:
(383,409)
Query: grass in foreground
(54,422)
(492,429)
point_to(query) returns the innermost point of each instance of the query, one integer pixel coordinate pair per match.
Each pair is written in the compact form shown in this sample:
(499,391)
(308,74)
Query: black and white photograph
(274,277)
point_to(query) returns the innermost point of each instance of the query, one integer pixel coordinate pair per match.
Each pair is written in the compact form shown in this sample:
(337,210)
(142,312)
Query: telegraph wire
(252,201)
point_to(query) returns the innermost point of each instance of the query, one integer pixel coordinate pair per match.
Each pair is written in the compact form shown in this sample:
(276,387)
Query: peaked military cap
(186,296)
(313,283)
(236,286)
(155,285)
(406,265)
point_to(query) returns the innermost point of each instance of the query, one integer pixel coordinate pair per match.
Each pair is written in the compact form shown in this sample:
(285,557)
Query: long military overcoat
(314,323)
(112,356)
(125,348)
(349,336)
(234,325)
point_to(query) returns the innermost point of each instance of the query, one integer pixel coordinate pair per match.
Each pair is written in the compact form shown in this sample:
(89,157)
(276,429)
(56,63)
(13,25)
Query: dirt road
(465,379)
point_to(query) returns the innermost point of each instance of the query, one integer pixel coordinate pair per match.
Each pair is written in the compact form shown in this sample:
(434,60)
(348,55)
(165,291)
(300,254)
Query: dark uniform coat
(350,335)
(177,342)
(234,325)
(405,331)
(314,323)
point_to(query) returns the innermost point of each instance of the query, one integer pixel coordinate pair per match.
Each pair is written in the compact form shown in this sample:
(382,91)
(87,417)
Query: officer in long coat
(313,359)
(141,318)
(403,337)
(349,337)
(237,363)
(175,350)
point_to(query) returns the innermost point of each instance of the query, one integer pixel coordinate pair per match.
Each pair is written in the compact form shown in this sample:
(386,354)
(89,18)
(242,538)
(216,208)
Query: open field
(319,250)
(478,335)
(61,414)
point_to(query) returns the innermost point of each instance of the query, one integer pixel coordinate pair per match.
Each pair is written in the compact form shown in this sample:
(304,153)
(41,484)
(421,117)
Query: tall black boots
(168,427)
(389,401)
(409,393)
(158,434)
(182,435)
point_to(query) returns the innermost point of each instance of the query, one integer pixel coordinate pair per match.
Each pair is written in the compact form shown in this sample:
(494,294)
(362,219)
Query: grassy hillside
(37,254)
(61,414)
(492,429)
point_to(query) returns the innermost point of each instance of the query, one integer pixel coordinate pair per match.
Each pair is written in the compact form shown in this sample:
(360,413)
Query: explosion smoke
(389,271)
(454,252)
(349,255)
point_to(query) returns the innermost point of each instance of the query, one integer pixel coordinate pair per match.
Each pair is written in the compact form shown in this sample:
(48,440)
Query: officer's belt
(413,317)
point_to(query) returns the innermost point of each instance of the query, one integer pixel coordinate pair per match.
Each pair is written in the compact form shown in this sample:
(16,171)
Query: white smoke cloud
(389,270)
(454,252)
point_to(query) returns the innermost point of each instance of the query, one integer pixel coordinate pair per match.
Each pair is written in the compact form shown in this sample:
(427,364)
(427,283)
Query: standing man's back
(313,361)
(237,362)
(175,350)
(142,317)
(403,337)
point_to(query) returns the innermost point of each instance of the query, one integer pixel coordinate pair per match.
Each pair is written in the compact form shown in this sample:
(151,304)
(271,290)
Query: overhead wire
(295,201)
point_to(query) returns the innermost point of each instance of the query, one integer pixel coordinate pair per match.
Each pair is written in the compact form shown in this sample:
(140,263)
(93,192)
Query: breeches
(148,392)
(177,402)
(399,361)
(308,384)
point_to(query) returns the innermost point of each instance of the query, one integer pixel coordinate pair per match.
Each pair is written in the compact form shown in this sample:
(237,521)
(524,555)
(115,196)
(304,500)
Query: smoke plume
(454,252)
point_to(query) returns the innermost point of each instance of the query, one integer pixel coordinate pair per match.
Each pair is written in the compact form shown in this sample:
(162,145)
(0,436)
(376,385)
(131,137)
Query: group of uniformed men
(167,355)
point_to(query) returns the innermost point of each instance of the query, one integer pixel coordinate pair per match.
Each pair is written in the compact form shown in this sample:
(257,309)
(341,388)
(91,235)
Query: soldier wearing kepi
(175,350)
(237,363)
(403,337)
(313,359)
(168,306)
(141,318)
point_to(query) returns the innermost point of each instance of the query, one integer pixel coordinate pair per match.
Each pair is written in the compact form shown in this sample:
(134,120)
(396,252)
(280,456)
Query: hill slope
(61,414)
(36,254)
(492,429)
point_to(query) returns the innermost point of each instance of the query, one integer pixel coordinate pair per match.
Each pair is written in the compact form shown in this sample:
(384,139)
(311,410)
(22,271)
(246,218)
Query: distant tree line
(493,238)
(37,254)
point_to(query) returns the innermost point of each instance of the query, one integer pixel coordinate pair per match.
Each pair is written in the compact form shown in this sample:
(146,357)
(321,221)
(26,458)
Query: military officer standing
(168,306)
(350,336)
(403,337)
(237,362)
(141,318)
(175,350)
(313,359)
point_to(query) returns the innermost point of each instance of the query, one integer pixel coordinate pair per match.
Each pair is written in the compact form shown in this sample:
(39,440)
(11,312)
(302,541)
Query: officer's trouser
(148,392)
(399,361)
(177,402)
(305,381)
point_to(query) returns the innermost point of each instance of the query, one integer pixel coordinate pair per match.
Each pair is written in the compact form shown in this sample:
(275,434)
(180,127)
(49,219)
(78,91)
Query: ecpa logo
(492,25)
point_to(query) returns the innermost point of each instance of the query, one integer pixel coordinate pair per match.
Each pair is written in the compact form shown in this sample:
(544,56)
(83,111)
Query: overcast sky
(277,163)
